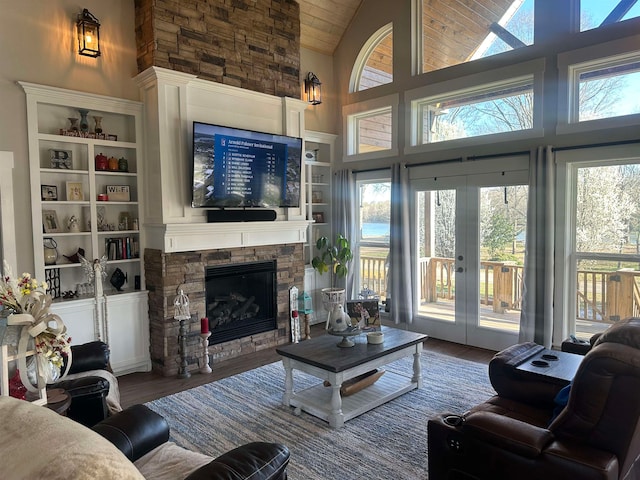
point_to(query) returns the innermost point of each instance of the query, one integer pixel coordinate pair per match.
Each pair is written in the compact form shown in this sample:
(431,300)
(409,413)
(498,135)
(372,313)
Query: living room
(40,48)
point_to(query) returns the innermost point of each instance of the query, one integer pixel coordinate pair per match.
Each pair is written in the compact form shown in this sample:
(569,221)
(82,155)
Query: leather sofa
(91,384)
(514,434)
(36,442)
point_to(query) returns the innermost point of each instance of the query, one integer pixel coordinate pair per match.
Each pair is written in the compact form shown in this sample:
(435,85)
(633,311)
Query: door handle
(459,269)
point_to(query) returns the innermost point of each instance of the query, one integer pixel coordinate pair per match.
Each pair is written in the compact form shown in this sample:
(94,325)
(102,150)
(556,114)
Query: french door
(470,234)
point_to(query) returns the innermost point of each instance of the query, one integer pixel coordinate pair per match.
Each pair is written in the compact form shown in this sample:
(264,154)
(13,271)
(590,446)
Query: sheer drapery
(536,318)
(344,219)
(401,276)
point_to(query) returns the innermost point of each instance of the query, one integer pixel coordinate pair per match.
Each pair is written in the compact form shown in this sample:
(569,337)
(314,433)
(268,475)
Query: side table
(58,400)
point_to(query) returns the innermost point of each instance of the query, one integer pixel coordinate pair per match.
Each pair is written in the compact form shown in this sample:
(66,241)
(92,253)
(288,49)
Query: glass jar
(50,251)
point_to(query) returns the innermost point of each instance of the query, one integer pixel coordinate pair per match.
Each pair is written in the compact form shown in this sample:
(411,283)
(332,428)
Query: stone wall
(252,44)
(166,273)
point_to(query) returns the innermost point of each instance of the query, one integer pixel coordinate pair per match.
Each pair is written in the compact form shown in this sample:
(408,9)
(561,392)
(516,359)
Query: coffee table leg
(288,381)
(336,417)
(417,368)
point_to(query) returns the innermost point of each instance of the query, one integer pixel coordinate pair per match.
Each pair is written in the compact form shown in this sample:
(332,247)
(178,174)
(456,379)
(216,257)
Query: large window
(371,128)
(485,110)
(599,13)
(457,32)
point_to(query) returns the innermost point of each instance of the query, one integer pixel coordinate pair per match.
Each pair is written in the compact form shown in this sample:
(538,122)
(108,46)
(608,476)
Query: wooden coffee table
(322,358)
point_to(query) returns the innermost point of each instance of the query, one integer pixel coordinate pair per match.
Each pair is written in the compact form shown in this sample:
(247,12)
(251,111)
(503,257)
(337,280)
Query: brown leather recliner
(596,436)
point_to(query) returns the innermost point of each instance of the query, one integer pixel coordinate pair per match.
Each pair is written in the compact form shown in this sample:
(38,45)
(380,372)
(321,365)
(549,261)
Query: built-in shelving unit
(319,148)
(85,156)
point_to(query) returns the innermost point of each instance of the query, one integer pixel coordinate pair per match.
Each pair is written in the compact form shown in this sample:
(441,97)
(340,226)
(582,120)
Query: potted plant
(334,257)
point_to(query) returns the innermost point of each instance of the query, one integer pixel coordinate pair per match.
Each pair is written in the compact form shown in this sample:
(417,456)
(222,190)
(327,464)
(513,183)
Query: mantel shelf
(185,237)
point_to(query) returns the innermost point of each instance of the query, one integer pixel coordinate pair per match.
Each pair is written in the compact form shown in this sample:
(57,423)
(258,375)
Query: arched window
(374,65)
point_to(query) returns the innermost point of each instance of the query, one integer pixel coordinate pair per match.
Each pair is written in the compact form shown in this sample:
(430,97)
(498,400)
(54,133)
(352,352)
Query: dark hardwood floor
(147,386)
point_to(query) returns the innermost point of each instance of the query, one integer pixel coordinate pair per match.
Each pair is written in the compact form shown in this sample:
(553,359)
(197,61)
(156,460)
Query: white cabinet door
(78,316)
(128,331)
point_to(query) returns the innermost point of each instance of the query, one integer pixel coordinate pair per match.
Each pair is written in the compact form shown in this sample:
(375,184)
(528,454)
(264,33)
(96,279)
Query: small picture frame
(50,221)
(364,313)
(48,193)
(316,196)
(61,159)
(124,221)
(75,191)
(113,138)
(119,193)
(318,217)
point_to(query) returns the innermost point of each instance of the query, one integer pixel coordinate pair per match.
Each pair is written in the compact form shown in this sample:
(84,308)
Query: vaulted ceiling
(322,23)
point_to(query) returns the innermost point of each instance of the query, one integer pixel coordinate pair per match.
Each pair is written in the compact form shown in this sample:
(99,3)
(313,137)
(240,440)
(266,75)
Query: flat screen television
(242,168)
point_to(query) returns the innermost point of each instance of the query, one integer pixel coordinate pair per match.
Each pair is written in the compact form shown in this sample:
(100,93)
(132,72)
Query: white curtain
(344,218)
(536,318)
(402,249)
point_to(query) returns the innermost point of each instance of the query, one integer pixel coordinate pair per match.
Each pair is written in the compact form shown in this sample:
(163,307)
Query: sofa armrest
(88,399)
(135,431)
(508,433)
(89,356)
(257,460)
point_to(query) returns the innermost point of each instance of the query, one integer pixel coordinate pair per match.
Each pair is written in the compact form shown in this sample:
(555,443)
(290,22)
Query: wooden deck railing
(601,296)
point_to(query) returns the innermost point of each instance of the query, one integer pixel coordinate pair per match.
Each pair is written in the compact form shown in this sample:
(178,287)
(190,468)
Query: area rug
(389,442)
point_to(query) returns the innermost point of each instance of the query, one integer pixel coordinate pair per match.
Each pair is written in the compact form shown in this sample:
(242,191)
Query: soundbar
(214,216)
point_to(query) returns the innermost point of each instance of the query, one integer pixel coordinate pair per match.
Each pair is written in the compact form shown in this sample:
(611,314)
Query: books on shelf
(122,248)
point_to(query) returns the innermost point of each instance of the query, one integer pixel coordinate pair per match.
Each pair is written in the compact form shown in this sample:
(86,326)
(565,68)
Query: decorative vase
(50,251)
(123,165)
(113,163)
(98,121)
(74,124)
(84,123)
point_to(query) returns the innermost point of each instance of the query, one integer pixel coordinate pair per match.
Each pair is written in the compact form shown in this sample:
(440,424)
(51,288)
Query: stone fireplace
(240,300)
(166,273)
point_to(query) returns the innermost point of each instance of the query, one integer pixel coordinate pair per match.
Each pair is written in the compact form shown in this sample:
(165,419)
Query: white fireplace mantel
(172,102)
(186,237)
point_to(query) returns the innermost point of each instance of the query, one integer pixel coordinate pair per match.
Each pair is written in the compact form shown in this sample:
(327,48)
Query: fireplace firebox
(241,300)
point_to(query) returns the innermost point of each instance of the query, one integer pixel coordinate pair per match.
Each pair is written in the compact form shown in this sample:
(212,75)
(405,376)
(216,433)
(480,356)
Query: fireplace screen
(241,300)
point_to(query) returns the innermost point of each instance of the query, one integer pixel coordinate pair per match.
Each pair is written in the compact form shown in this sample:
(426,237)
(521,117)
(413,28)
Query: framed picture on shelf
(50,221)
(316,196)
(124,221)
(61,158)
(364,313)
(75,191)
(48,193)
(119,193)
(318,217)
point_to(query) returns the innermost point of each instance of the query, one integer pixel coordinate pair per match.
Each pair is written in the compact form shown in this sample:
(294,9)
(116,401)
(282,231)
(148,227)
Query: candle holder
(183,370)
(307,327)
(205,368)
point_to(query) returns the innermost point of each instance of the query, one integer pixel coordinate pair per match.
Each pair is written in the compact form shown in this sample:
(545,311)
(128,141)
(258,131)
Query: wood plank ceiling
(322,23)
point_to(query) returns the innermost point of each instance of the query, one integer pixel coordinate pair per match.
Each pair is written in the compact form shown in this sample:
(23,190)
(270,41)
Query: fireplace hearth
(241,300)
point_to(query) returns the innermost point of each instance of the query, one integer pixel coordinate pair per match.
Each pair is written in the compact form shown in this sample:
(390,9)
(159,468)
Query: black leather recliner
(138,430)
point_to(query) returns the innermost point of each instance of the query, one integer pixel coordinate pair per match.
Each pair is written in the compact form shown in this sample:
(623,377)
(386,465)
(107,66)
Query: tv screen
(242,168)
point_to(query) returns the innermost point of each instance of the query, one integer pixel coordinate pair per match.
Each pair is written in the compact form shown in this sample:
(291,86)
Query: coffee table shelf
(321,358)
(316,400)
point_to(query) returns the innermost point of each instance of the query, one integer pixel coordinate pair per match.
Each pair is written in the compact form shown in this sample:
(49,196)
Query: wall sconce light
(88,34)
(313,89)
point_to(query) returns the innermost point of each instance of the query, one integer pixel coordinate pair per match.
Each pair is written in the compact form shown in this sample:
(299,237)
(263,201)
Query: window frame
(354,112)
(363,57)
(497,78)
(571,64)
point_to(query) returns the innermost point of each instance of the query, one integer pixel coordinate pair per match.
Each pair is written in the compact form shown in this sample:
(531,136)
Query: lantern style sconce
(313,89)
(88,34)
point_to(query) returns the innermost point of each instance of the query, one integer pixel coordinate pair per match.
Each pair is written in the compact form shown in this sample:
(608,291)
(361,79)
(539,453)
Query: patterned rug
(389,442)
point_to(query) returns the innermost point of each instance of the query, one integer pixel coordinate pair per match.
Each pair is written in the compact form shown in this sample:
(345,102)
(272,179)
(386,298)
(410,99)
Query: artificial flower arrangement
(26,300)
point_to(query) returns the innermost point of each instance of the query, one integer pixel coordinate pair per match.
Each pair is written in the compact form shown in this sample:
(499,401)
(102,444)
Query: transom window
(485,110)
(605,88)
